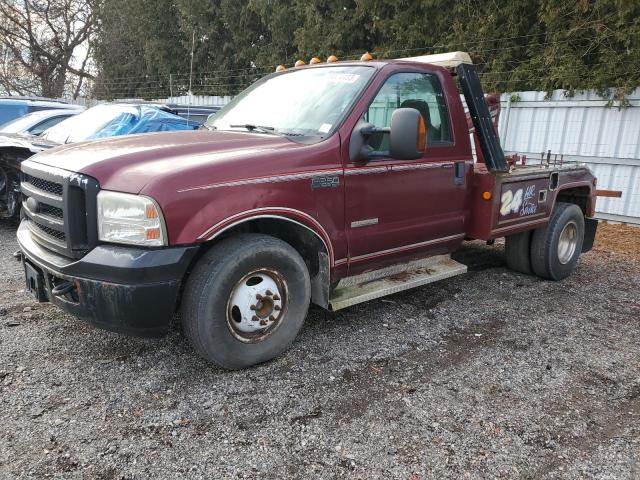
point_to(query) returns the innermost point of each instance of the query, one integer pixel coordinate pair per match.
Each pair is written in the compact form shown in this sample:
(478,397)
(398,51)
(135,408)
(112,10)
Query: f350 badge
(325,182)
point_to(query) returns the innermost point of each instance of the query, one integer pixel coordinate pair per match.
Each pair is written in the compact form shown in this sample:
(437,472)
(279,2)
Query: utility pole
(193,46)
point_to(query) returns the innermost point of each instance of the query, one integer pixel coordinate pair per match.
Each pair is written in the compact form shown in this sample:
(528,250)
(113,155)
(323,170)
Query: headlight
(130,219)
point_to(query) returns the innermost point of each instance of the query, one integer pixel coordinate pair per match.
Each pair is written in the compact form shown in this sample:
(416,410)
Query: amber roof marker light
(280,68)
(300,63)
(314,60)
(366,57)
(332,58)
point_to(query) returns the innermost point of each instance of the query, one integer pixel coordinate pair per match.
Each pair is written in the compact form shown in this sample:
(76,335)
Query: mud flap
(590,227)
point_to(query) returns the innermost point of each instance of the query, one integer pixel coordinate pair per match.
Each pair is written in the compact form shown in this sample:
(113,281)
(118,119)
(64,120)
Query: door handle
(459,173)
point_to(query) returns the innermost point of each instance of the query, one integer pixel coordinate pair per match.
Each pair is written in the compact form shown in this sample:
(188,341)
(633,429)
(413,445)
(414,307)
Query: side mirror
(408,135)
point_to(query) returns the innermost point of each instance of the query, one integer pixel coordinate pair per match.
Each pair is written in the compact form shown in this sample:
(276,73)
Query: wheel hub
(567,242)
(256,304)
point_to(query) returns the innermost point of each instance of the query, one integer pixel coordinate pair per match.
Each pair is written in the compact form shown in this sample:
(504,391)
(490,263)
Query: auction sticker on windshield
(343,77)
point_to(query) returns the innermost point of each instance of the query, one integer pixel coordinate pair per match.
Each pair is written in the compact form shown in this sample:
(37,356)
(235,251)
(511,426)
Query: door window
(421,91)
(48,123)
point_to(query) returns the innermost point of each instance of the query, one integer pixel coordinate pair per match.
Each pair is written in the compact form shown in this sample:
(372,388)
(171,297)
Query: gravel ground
(492,374)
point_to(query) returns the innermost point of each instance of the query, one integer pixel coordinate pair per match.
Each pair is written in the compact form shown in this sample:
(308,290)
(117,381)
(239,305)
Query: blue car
(102,121)
(15,107)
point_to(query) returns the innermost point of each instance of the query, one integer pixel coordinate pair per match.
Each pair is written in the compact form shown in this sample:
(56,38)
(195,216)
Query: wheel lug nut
(255,318)
(272,318)
(258,296)
(263,322)
(276,297)
(276,307)
(252,307)
(269,292)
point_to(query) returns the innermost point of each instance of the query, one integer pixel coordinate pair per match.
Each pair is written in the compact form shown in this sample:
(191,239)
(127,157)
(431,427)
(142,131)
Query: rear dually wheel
(555,248)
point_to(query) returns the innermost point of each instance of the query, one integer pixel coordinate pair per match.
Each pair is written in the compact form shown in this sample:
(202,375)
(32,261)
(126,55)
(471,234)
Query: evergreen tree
(516,44)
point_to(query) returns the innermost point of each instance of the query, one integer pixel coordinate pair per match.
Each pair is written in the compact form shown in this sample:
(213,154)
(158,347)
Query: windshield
(20,124)
(308,102)
(24,123)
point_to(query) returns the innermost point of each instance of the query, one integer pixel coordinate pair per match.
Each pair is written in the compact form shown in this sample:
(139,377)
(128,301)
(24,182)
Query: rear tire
(517,249)
(246,300)
(555,248)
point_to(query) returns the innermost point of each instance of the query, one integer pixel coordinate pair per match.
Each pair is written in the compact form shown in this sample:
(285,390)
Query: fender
(590,201)
(283,213)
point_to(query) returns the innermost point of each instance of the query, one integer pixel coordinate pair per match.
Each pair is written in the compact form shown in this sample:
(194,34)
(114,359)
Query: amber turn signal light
(153,233)
(486,195)
(150,211)
(421,144)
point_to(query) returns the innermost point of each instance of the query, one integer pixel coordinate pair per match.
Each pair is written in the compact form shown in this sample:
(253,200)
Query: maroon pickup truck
(332,183)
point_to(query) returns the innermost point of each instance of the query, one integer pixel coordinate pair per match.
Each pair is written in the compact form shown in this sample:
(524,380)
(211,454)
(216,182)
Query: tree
(41,42)
(516,44)
(137,47)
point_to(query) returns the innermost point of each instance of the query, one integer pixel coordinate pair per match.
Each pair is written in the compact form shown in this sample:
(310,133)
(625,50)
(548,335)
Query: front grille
(60,208)
(44,185)
(51,211)
(56,234)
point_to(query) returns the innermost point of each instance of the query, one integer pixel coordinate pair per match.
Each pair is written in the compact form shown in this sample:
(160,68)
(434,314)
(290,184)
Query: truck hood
(128,163)
(32,143)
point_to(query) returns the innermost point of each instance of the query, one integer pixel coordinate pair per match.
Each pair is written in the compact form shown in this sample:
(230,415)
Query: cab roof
(445,60)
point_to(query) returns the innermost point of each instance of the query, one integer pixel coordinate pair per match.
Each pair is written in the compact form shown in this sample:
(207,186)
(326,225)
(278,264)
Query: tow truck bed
(523,198)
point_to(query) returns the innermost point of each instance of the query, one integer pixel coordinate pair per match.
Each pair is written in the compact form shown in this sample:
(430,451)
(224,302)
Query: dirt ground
(618,239)
(492,374)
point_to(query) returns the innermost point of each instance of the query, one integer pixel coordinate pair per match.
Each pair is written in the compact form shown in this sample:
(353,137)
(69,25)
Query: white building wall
(583,128)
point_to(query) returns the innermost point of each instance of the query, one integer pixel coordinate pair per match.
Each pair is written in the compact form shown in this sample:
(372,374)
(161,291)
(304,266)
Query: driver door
(397,208)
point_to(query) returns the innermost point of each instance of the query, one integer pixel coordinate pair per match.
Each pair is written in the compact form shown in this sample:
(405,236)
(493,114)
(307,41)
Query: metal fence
(583,128)
(208,100)
(200,100)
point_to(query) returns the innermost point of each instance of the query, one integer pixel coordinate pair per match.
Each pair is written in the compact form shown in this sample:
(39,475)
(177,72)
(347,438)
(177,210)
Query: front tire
(246,300)
(555,248)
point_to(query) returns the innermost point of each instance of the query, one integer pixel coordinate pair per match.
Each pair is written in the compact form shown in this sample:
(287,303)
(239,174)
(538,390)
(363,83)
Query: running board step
(383,282)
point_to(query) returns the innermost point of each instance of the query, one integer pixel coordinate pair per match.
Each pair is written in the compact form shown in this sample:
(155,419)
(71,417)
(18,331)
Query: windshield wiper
(258,128)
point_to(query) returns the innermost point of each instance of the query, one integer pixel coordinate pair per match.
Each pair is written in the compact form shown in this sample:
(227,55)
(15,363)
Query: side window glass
(421,91)
(42,126)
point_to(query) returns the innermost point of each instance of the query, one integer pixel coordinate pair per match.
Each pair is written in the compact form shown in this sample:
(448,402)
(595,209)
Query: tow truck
(332,183)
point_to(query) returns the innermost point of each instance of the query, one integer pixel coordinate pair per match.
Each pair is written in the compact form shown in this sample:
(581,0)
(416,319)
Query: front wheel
(556,247)
(246,300)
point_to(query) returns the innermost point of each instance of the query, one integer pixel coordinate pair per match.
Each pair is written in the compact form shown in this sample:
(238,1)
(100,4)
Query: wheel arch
(578,195)
(10,160)
(314,247)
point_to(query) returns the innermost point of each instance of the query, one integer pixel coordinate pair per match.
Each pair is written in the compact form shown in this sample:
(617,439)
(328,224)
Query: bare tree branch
(39,42)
